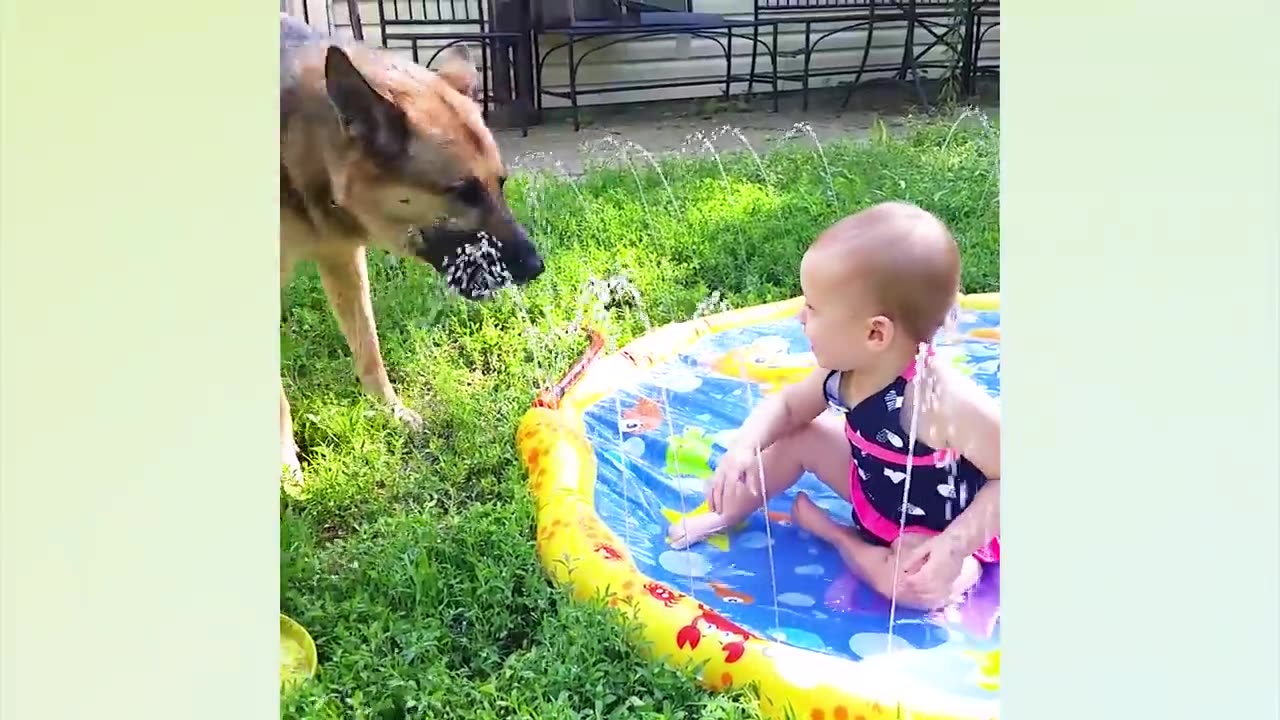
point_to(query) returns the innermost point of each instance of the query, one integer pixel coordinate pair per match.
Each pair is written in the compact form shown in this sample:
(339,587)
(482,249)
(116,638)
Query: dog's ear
(459,70)
(367,116)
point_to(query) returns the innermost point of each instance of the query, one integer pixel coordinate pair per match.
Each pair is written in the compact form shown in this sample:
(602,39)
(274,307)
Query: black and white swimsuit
(943,483)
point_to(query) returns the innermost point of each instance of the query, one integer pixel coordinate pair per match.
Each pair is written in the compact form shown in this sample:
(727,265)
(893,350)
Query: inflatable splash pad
(625,445)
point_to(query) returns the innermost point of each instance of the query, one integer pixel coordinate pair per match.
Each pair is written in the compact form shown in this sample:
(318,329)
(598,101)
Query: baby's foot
(692,530)
(813,519)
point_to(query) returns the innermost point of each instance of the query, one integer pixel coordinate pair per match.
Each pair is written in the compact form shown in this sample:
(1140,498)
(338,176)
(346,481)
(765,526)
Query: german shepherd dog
(377,151)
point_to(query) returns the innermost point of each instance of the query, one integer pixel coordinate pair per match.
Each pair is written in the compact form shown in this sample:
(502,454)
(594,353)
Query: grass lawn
(411,559)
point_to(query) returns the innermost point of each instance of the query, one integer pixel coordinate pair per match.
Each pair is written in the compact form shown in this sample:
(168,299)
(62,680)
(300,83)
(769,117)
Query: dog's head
(421,171)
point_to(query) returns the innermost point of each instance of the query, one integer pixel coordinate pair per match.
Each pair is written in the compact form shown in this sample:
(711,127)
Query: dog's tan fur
(359,170)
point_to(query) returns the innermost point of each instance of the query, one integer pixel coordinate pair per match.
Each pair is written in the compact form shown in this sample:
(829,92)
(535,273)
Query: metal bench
(982,17)
(435,25)
(943,21)
(619,21)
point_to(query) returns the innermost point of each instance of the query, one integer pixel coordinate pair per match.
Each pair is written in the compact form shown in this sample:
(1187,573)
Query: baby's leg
(819,447)
(875,564)
(872,563)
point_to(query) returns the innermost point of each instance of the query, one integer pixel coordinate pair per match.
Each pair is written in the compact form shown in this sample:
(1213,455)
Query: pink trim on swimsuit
(937,458)
(910,373)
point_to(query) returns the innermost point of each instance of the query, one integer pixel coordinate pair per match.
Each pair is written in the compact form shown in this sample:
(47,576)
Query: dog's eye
(469,192)
(404,201)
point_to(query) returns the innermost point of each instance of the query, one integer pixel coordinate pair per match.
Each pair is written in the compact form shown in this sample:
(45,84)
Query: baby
(877,286)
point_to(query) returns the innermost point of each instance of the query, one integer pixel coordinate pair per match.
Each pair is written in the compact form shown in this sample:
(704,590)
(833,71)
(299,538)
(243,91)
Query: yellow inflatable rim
(578,550)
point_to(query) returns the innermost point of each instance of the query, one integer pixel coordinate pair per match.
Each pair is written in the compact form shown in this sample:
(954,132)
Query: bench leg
(728,61)
(573,87)
(804,76)
(537,79)
(966,51)
(862,64)
(909,59)
(773,57)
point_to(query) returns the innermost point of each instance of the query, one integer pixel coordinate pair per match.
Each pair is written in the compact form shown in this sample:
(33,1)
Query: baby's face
(836,317)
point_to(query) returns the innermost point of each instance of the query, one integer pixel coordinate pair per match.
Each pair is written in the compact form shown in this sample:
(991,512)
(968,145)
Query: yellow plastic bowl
(297,652)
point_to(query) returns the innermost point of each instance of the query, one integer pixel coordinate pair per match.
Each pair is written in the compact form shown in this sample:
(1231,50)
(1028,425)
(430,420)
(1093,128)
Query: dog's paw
(290,472)
(410,418)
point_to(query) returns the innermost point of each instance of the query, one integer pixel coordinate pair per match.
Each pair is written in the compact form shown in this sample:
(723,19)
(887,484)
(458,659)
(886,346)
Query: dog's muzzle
(475,264)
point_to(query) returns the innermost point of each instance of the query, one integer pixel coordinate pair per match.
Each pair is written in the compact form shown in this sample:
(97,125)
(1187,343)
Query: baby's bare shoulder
(958,391)
(969,418)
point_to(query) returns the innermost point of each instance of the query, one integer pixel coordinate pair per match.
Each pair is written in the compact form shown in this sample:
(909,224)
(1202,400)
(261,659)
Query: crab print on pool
(767,578)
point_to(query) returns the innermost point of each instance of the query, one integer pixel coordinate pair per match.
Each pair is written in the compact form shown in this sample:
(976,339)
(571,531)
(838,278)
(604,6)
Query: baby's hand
(731,475)
(931,567)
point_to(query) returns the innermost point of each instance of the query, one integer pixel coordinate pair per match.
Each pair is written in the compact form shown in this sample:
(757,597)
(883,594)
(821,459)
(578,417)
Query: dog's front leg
(345,277)
(291,468)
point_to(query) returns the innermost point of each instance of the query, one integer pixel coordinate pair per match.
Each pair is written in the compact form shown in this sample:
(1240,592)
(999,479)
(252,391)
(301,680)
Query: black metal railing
(428,27)
(507,34)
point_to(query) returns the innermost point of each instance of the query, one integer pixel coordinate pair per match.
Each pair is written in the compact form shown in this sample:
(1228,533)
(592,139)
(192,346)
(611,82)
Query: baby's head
(877,284)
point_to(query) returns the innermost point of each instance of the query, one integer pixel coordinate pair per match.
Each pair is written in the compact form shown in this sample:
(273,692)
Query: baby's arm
(792,407)
(971,420)
(738,475)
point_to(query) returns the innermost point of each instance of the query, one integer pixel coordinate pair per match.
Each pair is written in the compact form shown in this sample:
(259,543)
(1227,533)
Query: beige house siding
(682,58)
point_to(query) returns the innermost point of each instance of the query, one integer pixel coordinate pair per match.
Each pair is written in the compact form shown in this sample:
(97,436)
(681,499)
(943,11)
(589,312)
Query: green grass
(410,559)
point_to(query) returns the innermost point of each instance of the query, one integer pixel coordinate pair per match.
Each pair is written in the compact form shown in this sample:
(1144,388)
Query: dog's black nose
(536,267)
(529,267)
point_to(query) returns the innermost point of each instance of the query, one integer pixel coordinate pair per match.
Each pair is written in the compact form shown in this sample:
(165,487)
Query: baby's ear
(459,70)
(880,329)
